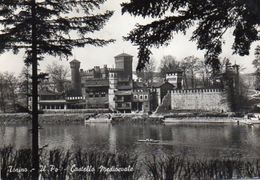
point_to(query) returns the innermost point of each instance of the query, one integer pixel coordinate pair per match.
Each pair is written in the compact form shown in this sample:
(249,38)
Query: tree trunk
(35,145)
(27,88)
(192,80)
(14,101)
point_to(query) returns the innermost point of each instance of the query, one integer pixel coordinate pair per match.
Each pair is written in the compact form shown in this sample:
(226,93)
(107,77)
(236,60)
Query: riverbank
(203,120)
(75,118)
(24,118)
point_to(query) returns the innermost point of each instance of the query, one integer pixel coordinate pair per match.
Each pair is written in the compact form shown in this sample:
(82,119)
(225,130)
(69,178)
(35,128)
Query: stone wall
(199,99)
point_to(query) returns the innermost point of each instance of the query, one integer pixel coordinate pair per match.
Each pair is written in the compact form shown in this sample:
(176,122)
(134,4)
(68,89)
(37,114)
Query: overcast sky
(118,26)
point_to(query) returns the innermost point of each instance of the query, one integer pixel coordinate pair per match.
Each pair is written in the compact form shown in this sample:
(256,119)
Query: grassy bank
(59,164)
(208,114)
(136,119)
(70,118)
(24,118)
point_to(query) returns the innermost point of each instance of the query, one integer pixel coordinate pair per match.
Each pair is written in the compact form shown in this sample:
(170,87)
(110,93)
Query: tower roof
(74,61)
(123,55)
(175,71)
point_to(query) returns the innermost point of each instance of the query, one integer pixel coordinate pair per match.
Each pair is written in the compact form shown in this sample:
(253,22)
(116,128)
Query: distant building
(51,100)
(141,97)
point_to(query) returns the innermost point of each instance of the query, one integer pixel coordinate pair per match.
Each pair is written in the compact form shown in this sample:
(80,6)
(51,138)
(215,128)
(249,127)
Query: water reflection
(112,139)
(194,139)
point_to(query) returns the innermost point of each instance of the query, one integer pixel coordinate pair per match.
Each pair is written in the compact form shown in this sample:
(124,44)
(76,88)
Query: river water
(200,140)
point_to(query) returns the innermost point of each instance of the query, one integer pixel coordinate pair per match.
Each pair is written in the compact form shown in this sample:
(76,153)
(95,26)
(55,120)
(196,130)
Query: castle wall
(199,99)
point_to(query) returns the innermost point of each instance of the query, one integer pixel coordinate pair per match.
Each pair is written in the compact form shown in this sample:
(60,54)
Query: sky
(117,27)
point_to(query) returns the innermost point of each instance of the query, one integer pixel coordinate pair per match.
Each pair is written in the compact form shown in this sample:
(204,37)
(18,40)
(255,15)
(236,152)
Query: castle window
(146,97)
(141,97)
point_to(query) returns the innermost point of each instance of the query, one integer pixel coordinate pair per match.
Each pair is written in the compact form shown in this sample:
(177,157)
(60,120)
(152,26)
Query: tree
(12,85)
(236,89)
(147,74)
(48,28)
(191,66)
(24,83)
(168,64)
(58,74)
(256,63)
(212,18)
(3,93)
(8,92)
(204,74)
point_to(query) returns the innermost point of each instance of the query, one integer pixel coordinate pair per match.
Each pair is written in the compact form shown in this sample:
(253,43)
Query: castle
(115,90)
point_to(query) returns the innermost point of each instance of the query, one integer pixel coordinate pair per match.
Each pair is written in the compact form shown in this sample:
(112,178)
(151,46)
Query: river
(200,140)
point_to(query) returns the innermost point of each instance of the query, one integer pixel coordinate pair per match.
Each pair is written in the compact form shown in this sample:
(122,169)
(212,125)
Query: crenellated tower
(175,78)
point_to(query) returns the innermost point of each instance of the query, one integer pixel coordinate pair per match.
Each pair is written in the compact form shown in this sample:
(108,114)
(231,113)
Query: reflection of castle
(106,88)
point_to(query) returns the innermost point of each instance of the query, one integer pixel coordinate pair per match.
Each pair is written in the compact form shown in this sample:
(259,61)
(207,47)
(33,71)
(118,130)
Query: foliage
(24,85)
(195,71)
(69,165)
(191,66)
(147,74)
(58,75)
(256,63)
(236,90)
(8,92)
(211,20)
(168,64)
(157,167)
(179,167)
(60,26)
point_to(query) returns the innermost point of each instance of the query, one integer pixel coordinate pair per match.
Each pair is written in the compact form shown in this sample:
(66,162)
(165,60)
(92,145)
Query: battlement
(112,75)
(140,90)
(174,73)
(75,98)
(194,91)
(114,69)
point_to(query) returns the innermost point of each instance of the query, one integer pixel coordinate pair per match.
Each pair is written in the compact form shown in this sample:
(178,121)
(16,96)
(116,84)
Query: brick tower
(75,77)
(124,61)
